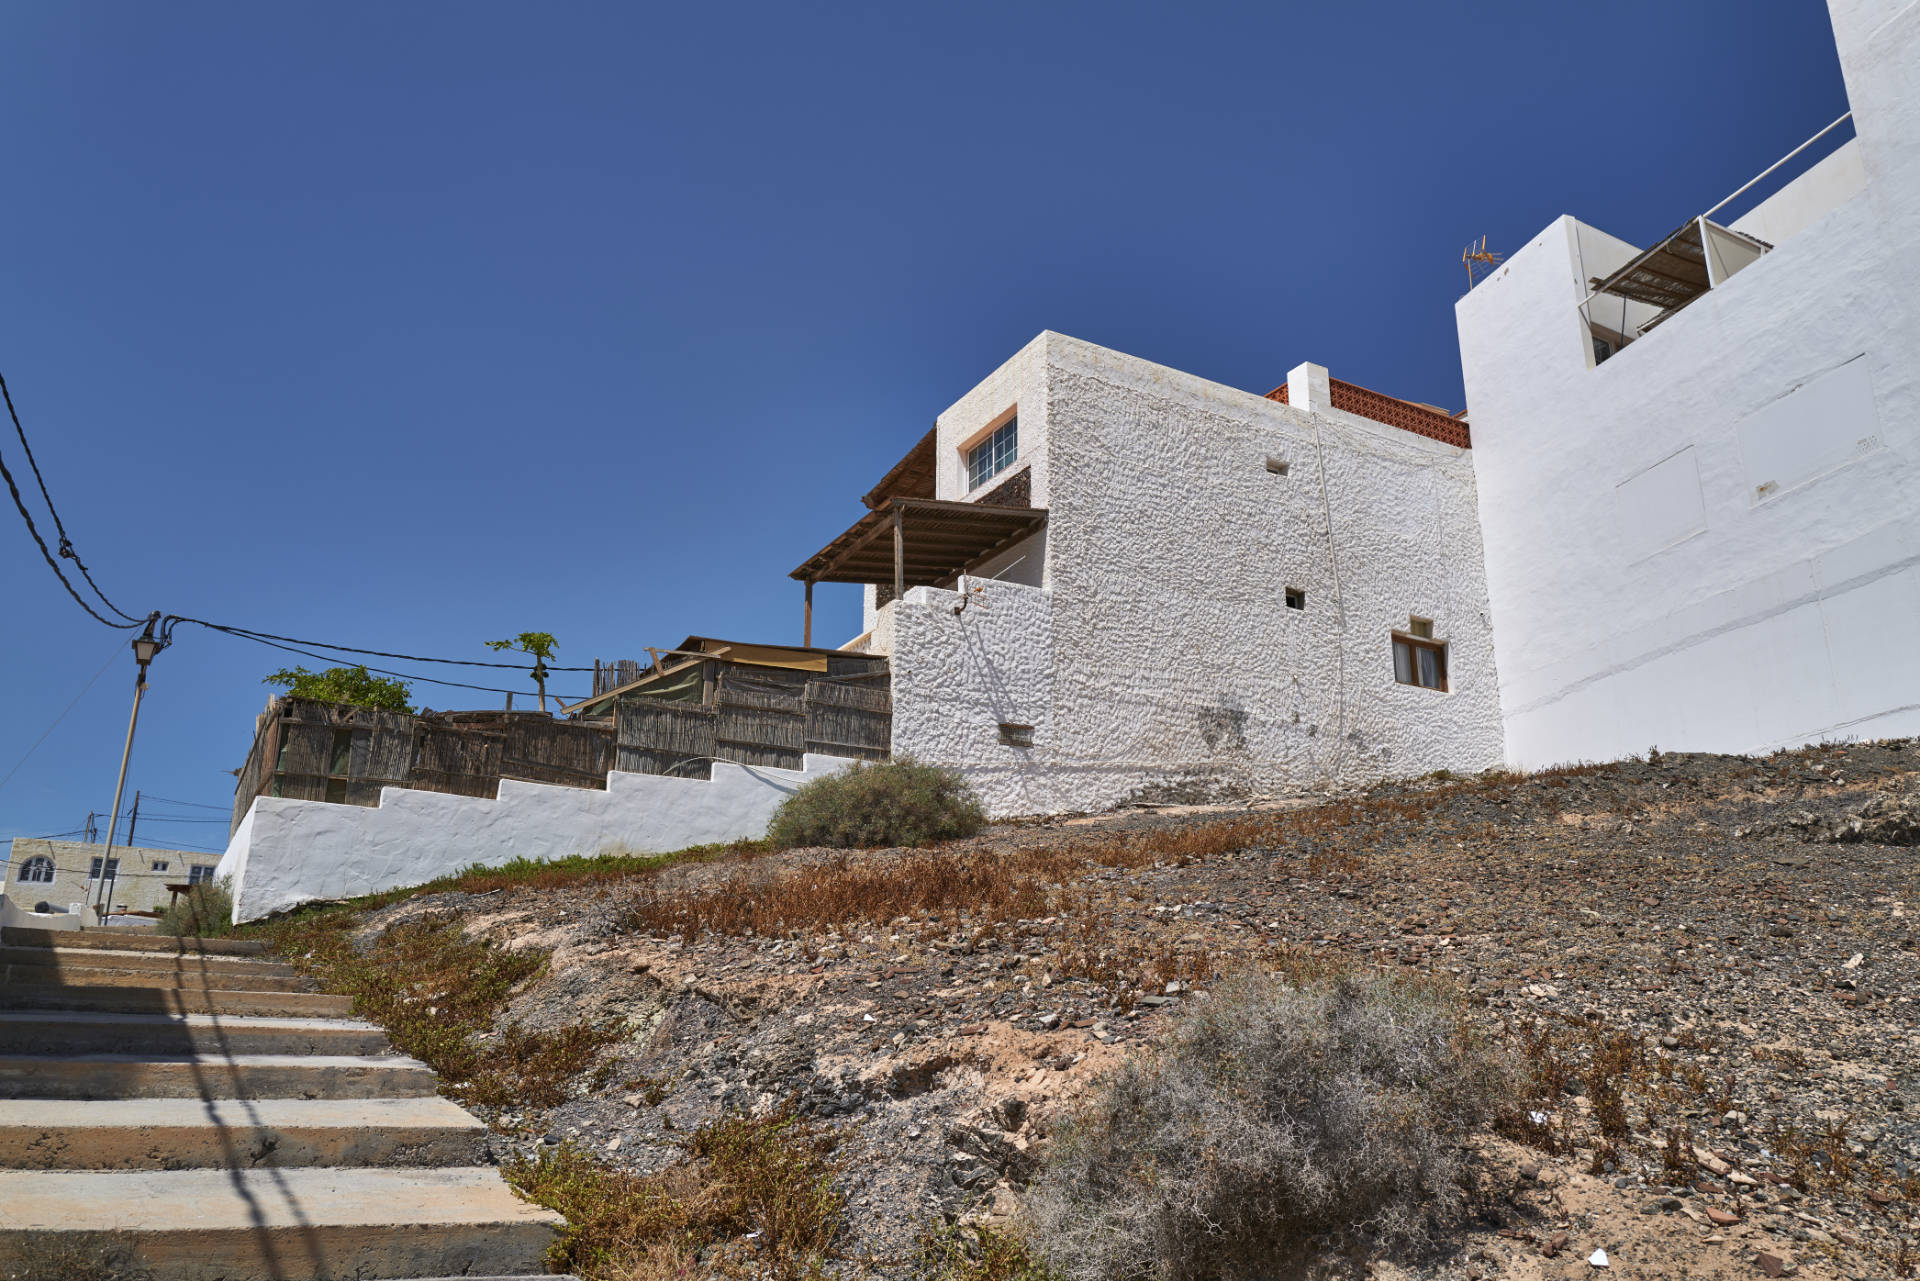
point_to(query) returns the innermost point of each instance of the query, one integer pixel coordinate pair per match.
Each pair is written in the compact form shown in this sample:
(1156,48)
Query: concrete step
(147,1000)
(76,1032)
(176,1134)
(213,1076)
(270,1225)
(117,940)
(88,976)
(100,958)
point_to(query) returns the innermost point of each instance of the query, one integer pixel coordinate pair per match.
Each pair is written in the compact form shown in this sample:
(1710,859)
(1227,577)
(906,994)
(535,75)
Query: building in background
(60,874)
(1697,462)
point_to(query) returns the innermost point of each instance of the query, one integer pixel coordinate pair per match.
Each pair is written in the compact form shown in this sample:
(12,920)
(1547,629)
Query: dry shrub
(772,1176)
(889,803)
(204,911)
(1271,1121)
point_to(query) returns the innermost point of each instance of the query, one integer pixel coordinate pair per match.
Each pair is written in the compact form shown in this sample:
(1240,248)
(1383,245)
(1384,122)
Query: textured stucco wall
(1712,540)
(287,852)
(1160,661)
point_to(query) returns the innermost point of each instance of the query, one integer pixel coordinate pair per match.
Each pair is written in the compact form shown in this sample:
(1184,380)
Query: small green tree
(354,686)
(539,644)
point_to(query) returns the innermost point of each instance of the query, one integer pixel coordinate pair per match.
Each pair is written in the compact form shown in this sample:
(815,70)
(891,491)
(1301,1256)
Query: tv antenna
(1478,257)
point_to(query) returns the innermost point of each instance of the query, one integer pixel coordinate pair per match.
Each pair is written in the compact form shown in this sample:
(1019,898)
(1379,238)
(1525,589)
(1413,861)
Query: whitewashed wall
(1159,661)
(287,852)
(1711,541)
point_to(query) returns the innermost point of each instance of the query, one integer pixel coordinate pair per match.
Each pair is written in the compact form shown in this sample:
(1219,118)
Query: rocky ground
(1708,964)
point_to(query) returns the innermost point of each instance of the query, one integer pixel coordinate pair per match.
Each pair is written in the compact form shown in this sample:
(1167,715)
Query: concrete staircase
(204,1115)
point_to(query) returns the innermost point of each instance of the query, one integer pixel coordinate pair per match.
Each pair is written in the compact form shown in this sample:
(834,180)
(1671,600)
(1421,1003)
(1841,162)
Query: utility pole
(145,647)
(133,818)
(93,829)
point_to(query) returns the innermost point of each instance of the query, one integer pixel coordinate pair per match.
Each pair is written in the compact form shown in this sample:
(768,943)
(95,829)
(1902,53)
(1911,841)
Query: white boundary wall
(288,852)
(1145,638)
(1711,541)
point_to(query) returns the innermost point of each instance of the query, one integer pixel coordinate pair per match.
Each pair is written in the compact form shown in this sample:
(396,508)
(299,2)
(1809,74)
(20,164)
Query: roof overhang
(937,542)
(911,477)
(1683,266)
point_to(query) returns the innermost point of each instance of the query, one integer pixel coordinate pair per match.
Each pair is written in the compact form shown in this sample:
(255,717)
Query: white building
(1697,462)
(1125,583)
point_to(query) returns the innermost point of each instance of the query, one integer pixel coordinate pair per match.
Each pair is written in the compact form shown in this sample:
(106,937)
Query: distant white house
(1117,582)
(1697,461)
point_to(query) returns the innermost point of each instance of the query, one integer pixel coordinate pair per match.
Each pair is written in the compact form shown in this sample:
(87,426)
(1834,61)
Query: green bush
(205,911)
(1272,1122)
(898,802)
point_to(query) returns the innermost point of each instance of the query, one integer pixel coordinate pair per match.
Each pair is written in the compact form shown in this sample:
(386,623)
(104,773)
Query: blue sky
(412,326)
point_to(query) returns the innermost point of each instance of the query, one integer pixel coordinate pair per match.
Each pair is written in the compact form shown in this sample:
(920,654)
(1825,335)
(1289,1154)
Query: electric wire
(197,805)
(66,544)
(406,676)
(251,634)
(63,715)
(52,564)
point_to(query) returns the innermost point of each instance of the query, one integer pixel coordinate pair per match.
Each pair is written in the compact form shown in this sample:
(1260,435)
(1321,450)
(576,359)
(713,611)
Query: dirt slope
(1707,960)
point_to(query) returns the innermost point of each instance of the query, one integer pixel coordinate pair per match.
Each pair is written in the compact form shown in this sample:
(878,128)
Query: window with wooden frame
(1419,659)
(994,454)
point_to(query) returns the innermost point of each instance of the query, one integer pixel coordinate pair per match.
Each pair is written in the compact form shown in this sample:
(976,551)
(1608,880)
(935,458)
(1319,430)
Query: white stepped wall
(287,852)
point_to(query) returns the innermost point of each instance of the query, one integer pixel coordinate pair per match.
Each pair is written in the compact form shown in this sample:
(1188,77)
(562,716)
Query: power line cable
(66,544)
(251,634)
(406,676)
(63,715)
(52,564)
(198,805)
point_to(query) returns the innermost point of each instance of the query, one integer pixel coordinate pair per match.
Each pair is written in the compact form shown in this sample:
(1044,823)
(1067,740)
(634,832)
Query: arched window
(39,868)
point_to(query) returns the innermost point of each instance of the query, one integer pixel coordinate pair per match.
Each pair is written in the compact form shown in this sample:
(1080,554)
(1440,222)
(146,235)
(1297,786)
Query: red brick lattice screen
(1403,414)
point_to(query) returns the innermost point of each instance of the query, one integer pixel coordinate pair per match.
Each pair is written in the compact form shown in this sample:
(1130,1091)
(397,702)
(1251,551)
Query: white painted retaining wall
(288,852)
(1711,541)
(13,916)
(1159,662)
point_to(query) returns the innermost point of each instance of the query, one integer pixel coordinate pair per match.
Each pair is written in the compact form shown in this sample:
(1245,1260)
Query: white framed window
(994,454)
(199,872)
(113,869)
(37,870)
(160,865)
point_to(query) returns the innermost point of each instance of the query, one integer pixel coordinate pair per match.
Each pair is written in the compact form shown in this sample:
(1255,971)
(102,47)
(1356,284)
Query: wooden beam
(806,634)
(899,554)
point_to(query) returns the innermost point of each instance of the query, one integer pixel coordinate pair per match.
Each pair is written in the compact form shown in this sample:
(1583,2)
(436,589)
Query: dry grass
(439,994)
(74,1256)
(949,1253)
(754,1198)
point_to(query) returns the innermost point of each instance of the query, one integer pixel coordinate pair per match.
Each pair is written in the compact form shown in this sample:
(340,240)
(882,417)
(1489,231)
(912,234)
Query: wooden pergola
(932,543)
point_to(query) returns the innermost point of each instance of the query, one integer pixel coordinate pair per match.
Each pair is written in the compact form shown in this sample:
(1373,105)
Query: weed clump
(1272,1120)
(204,911)
(898,802)
(755,1197)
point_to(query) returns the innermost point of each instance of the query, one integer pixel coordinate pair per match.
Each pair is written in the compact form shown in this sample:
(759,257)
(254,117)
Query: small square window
(1296,598)
(1015,735)
(1278,466)
(160,865)
(199,873)
(994,454)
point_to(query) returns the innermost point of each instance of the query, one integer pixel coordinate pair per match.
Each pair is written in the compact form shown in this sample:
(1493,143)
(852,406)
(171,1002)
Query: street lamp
(146,647)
